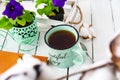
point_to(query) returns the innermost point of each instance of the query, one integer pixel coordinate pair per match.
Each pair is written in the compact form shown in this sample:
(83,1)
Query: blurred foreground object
(110,70)
(8,59)
(27,68)
(115,50)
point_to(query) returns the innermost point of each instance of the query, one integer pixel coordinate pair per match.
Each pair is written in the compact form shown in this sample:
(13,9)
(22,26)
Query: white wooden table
(105,18)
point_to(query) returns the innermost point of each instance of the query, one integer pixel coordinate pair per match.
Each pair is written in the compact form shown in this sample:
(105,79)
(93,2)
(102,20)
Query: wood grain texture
(115,7)
(103,24)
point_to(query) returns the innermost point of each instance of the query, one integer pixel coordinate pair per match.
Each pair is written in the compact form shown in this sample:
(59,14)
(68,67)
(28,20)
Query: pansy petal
(13,9)
(13,16)
(18,6)
(5,12)
(10,13)
(13,2)
(58,3)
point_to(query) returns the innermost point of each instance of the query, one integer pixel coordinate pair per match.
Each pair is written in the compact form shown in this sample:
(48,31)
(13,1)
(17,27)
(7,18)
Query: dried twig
(90,57)
(80,27)
(85,49)
(81,16)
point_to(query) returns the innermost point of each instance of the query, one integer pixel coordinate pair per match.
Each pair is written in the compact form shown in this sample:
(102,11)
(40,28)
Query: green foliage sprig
(48,9)
(7,22)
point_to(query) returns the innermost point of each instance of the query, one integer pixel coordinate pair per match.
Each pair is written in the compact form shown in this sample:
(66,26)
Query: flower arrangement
(20,23)
(49,7)
(15,15)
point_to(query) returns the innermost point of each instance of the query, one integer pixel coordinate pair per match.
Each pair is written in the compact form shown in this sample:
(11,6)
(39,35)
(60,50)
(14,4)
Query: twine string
(81,16)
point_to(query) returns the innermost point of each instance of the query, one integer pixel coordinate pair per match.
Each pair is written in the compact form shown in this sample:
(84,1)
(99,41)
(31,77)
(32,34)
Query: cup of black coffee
(64,50)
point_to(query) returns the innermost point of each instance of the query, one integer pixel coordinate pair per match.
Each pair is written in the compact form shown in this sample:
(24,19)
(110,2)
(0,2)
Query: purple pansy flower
(58,3)
(13,9)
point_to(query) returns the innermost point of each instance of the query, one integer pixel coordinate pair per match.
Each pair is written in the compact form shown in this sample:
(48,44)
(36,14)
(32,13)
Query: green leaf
(38,2)
(83,46)
(50,4)
(28,16)
(8,26)
(44,1)
(47,10)
(7,0)
(5,24)
(21,21)
(26,11)
(5,3)
(12,21)
(40,12)
(52,14)
(33,13)
(19,0)
(57,9)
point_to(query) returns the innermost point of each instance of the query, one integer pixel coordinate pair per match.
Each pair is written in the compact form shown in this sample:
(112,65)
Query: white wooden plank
(2,39)
(42,47)
(11,45)
(103,24)
(76,77)
(1,8)
(28,48)
(115,5)
(29,5)
(58,72)
(85,7)
(31,52)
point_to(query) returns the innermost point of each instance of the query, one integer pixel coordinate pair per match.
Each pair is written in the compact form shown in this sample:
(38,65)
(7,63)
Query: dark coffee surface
(61,40)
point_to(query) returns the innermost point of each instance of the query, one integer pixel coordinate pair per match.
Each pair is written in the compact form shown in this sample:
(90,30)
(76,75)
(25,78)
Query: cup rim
(58,26)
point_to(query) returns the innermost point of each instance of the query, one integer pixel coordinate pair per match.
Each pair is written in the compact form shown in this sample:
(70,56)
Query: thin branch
(90,57)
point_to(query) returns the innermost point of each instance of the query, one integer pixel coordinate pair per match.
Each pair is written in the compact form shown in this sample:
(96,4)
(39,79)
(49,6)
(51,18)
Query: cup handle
(81,56)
